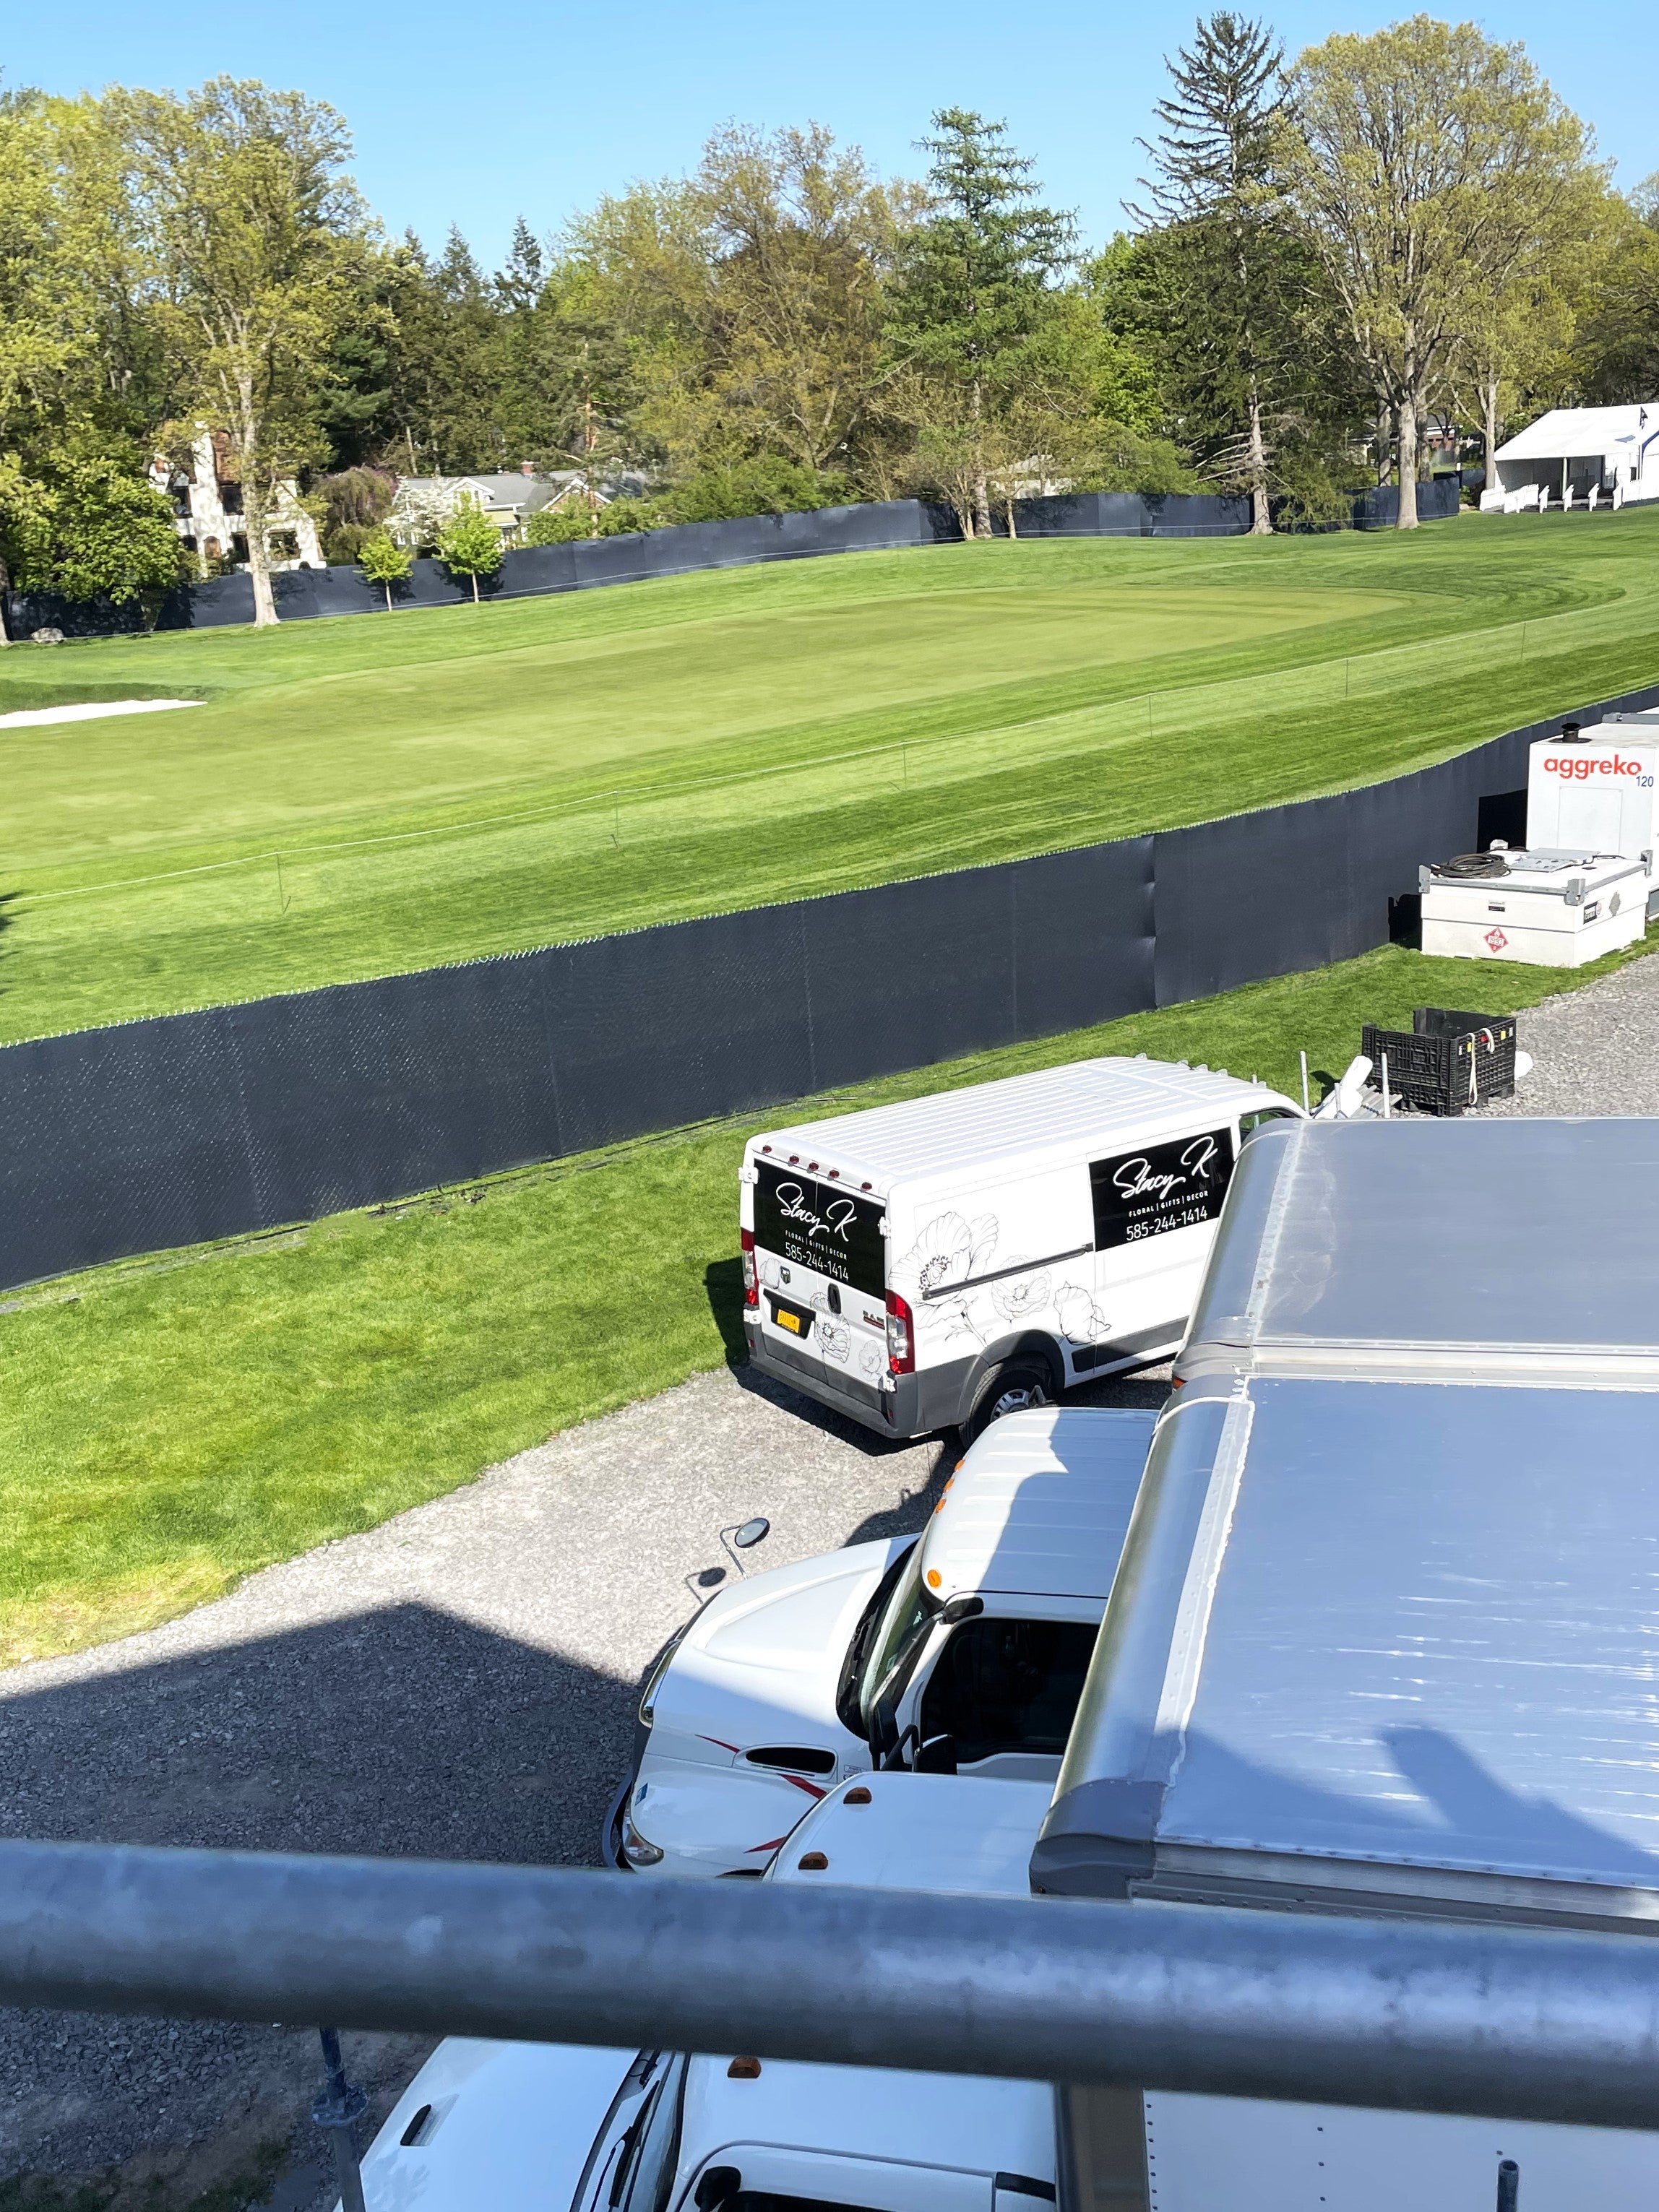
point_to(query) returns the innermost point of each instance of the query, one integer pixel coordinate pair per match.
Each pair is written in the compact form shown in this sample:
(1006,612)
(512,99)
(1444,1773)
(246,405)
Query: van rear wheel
(1014,1388)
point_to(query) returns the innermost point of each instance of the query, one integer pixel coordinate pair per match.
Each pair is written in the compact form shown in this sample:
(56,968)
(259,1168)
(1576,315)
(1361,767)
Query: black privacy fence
(304,593)
(193,1127)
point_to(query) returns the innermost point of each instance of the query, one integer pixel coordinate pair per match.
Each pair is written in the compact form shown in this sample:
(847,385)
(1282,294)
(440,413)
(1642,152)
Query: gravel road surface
(1596,1051)
(459,1684)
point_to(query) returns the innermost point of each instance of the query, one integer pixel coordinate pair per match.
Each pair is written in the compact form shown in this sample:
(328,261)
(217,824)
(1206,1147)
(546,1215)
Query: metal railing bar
(1515,2022)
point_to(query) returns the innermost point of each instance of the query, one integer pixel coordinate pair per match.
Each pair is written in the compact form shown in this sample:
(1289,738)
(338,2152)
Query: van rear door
(1155,1209)
(821,1256)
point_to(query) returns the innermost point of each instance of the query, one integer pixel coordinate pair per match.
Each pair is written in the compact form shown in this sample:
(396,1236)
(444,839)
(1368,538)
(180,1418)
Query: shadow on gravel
(722,1283)
(815,1416)
(404,1732)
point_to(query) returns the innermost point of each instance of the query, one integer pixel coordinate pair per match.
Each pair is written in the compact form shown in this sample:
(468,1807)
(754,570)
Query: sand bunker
(28,718)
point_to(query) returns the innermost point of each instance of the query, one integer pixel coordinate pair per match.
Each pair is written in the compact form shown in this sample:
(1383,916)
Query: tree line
(1330,256)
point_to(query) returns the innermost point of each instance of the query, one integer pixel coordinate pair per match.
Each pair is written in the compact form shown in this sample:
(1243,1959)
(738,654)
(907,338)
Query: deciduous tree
(469,545)
(1426,162)
(255,238)
(108,534)
(1615,353)
(384,561)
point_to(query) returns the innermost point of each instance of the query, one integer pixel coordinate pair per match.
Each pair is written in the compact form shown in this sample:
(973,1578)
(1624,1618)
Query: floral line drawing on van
(949,1247)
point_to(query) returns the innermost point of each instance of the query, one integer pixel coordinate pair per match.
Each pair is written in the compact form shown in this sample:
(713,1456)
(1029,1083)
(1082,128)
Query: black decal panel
(1160,1188)
(821,1225)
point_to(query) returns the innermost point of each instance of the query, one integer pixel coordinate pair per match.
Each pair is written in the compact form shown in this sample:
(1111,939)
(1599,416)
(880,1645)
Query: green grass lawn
(444,784)
(167,1426)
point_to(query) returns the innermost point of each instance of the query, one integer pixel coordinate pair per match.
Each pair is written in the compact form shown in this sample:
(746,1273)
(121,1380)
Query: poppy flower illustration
(949,1249)
(834,1340)
(1022,1296)
(1080,1319)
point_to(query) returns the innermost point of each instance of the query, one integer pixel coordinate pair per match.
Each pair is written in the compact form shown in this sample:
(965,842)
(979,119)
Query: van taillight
(751,1273)
(901,1336)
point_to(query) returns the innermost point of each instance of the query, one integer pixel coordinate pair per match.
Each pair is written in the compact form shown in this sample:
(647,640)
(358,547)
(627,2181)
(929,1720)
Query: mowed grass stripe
(760,735)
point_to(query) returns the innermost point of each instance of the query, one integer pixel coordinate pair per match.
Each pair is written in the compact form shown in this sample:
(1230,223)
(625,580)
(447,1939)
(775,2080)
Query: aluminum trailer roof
(1524,1249)
(1379,1642)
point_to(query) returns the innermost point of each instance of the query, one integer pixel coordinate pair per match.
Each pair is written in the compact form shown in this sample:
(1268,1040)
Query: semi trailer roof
(1525,1249)
(1379,1640)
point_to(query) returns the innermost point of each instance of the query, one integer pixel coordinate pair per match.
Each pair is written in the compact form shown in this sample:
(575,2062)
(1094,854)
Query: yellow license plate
(791,1318)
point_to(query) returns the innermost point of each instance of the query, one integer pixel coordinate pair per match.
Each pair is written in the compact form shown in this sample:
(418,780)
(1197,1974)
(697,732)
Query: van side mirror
(752,1532)
(962,1608)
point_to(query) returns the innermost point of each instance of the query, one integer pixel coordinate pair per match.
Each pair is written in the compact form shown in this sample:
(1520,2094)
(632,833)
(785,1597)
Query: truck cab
(960,1652)
(520,2127)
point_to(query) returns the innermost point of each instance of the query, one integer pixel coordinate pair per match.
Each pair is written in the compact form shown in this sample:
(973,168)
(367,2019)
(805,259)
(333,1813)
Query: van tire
(1014,1388)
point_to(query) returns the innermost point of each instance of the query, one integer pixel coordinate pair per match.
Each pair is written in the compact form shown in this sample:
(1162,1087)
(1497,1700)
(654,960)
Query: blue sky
(474,114)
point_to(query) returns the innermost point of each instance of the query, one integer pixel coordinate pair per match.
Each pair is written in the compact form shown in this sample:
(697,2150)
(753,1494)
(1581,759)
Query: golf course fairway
(378,793)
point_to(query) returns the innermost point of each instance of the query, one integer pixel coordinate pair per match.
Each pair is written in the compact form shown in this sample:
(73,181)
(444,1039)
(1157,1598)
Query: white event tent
(1579,456)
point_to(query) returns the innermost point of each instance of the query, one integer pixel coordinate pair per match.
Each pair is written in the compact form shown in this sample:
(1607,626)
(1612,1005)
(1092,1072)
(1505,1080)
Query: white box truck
(942,1262)
(1447,1250)
(1376,1649)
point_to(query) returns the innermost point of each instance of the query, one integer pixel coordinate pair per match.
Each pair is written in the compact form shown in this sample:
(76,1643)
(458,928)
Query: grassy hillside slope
(167,1426)
(380,794)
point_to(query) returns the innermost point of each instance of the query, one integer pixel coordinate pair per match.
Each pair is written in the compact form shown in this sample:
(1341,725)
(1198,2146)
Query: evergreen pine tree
(1213,189)
(974,281)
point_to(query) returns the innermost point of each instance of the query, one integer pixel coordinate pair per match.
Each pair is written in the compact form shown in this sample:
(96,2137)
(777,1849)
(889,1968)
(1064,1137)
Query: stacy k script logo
(836,1219)
(1160,1189)
(808,1221)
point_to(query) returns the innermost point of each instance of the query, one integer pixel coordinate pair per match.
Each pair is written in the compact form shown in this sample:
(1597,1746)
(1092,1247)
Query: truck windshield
(900,1635)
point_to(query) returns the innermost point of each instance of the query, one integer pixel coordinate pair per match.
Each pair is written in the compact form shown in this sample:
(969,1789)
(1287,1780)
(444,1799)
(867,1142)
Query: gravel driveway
(1596,1051)
(459,1684)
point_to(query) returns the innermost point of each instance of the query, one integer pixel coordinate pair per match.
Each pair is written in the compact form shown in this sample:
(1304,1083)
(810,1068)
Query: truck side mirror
(962,1608)
(752,1532)
(937,1756)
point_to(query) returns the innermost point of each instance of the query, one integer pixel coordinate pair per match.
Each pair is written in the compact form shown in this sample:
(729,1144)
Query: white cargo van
(535,2127)
(1373,1649)
(962,1651)
(942,1262)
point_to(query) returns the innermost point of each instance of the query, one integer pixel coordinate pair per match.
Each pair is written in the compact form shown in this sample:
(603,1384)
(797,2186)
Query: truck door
(1155,1208)
(821,1257)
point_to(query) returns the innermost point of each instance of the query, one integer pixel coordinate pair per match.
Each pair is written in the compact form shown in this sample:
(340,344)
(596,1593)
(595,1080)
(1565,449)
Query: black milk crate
(1447,1061)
